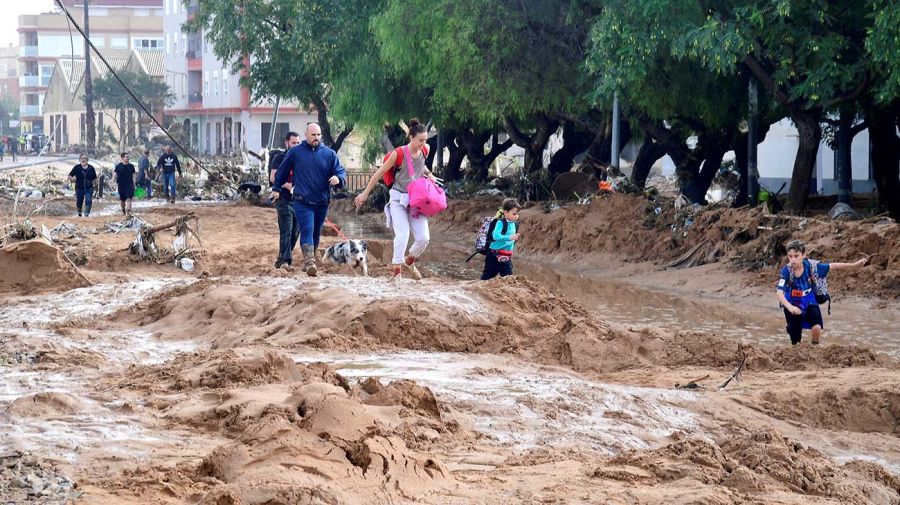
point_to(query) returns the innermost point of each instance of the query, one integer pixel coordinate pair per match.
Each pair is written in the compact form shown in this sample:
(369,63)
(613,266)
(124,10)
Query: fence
(356,181)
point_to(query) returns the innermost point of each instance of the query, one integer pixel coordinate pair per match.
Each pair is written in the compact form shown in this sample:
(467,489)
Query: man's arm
(177,164)
(281,175)
(338,170)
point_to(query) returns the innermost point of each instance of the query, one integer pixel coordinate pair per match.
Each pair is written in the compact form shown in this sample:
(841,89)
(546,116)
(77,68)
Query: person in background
(124,179)
(144,175)
(84,176)
(168,162)
(288,227)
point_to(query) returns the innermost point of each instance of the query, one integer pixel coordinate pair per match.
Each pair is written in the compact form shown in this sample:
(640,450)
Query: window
(216,83)
(46,73)
(118,42)
(183,86)
(148,44)
(206,82)
(224,85)
(99,41)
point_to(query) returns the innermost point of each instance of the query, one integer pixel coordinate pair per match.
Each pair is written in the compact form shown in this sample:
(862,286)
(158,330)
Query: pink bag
(425,197)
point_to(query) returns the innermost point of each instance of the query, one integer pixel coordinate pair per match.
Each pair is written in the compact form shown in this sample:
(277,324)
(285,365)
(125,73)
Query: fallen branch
(736,375)
(692,384)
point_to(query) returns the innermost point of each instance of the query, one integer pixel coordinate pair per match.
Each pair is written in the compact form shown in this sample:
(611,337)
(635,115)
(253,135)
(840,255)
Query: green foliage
(883,46)
(482,63)
(109,93)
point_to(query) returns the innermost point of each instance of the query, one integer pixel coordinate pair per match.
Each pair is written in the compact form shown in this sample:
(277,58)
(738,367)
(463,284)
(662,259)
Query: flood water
(853,321)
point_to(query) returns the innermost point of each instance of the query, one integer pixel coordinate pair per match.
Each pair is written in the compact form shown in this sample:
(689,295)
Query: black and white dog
(350,252)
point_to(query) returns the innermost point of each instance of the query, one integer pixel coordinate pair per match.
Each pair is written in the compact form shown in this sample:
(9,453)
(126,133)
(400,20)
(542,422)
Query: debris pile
(145,245)
(24,479)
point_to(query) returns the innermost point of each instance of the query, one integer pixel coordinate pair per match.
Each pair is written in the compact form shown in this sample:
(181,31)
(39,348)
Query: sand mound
(35,266)
(45,405)
(854,409)
(405,393)
(295,439)
(511,315)
(748,238)
(226,369)
(742,465)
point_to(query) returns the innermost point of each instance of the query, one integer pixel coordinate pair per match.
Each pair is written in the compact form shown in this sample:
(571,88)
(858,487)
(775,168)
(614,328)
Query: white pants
(401,222)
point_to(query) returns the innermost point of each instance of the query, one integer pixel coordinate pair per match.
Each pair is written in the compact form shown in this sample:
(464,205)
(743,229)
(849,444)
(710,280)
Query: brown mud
(240,384)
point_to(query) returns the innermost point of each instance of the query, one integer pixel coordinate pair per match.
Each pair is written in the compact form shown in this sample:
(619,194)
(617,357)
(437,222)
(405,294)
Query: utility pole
(88,86)
(752,141)
(614,155)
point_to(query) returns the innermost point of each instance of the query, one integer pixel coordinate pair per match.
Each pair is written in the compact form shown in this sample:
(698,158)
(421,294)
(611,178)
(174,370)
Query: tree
(114,101)
(511,64)
(289,49)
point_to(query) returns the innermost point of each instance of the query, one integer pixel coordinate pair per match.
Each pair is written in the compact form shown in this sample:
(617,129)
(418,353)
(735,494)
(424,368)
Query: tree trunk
(534,145)
(810,136)
(328,139)
(473,145)
(885,157)
(453,168)
(711,164)
(575,141)
(649,152)
(844,166)
(740,160)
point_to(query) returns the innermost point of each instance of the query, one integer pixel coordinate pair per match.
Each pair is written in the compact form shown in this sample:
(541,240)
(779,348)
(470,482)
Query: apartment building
(215,112)
(9,71)
(44,39)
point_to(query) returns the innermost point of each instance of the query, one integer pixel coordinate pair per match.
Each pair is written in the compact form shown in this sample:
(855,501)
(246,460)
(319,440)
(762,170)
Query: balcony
(29,111)
(28,51)
(195,100)
(29,81)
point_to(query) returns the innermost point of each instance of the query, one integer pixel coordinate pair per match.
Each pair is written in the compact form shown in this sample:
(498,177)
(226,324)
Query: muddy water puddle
(68,416)
(523,406)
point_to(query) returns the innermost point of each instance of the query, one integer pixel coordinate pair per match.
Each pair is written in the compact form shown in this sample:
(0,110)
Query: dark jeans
(145,183)
(288,229)
(810,317)
(310,218)
(83,197)
(493,266)
(169,182)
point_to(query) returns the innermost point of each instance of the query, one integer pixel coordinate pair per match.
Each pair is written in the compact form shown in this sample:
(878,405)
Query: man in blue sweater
(315,169)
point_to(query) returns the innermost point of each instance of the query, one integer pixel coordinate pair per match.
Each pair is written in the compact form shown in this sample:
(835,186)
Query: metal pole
(274,124)
(614,156)
(844,168)
(752,141)
(88,86)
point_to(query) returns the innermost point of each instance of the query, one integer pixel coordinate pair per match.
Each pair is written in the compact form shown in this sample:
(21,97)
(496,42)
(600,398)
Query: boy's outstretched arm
(856,264)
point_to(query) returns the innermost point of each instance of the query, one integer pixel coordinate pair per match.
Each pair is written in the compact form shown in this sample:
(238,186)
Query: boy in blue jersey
(797,294)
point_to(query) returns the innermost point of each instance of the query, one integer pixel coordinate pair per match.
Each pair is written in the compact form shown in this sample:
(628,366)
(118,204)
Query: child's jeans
(495,264)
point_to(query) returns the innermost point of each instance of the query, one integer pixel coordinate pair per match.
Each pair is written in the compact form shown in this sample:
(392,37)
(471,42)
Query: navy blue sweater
(312,168)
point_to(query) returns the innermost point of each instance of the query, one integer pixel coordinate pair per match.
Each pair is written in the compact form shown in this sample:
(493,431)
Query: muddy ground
(240,384)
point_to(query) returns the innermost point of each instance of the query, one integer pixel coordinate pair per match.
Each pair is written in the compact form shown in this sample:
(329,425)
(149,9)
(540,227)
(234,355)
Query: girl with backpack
(501,240)
(400,216)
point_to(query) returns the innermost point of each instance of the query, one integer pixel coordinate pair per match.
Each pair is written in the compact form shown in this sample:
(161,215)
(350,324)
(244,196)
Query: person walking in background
(84,176)
(313,169)
(288,227)
(144,175)
(166,166)
(124,179)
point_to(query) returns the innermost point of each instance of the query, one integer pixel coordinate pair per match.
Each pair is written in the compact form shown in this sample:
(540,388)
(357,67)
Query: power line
(130,93)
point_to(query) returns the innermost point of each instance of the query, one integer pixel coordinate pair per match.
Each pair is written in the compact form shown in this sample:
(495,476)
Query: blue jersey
(799,290)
